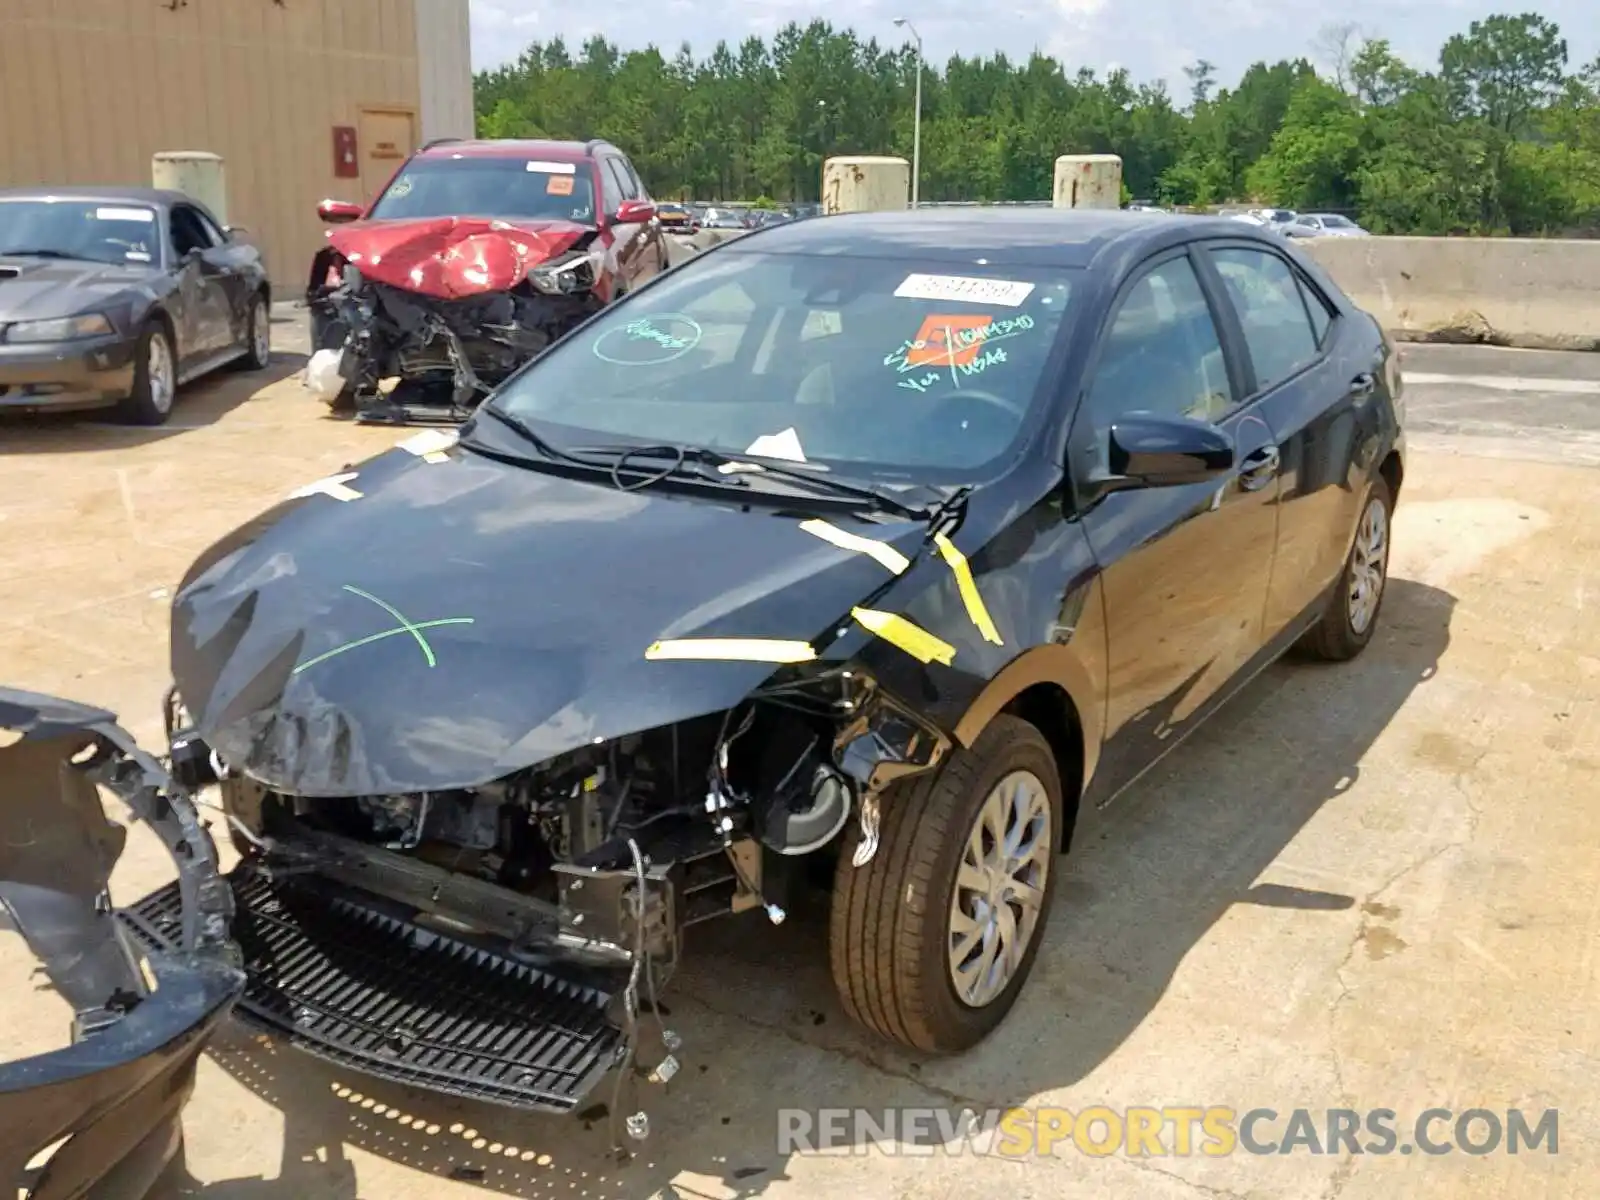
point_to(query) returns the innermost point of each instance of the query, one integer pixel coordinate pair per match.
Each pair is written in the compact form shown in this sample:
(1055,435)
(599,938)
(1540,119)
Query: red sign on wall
(346,165)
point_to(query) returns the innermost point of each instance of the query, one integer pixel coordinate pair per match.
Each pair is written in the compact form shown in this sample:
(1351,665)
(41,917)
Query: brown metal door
(387,137)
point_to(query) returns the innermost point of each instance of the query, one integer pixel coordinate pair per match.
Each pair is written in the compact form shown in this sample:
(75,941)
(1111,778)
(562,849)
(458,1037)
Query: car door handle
(1363,385)
(1259,468)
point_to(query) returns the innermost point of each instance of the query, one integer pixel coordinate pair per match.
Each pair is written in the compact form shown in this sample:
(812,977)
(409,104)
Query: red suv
(474,257)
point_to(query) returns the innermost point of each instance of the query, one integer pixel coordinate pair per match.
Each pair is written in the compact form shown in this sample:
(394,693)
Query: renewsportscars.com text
(1169,1131)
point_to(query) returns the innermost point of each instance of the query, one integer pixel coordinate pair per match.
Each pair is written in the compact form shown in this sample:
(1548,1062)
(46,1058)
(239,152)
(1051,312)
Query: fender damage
(110,1102)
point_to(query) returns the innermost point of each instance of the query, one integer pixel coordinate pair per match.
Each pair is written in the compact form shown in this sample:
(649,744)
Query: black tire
(888,937)
(1338,636)
(258,350)
(150,402)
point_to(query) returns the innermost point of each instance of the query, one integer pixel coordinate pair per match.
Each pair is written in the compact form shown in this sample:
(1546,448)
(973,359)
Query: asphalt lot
(1365,886)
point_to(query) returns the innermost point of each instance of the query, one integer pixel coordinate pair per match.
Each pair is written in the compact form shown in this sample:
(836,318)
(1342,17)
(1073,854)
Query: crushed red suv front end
(416,321)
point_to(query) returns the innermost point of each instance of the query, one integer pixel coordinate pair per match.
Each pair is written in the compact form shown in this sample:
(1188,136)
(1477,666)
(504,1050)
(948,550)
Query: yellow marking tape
(882,551)
(913,639)
(771,650)
(333,485)
(968,586)
(430,445)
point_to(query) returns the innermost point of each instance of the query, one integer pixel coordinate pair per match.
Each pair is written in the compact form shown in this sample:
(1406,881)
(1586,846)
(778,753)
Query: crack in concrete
(1346,1165)
(1143,1164)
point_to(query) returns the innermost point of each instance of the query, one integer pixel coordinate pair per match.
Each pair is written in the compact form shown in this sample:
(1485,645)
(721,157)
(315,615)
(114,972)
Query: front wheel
(1351,617)
(932,940)
(155,378)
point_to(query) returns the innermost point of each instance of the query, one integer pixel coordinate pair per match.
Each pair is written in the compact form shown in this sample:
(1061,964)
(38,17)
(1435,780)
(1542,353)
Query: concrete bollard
(197,173)
(864,183)
(1088,181)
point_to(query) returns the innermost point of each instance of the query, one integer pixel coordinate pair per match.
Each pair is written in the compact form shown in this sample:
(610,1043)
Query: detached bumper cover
(355,980)
(140,1024)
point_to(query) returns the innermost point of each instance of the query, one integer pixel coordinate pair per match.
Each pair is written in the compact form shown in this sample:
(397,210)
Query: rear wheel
(155,378)
(1351,617)
(932,940)
(258,335)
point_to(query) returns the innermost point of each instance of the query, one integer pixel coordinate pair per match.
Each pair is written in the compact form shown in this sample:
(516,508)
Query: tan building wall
(91,89)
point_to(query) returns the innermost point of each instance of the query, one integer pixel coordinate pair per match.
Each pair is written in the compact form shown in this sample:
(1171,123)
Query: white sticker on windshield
(124,214)
(553,168)
(137,256)
(971,289)
(778,445)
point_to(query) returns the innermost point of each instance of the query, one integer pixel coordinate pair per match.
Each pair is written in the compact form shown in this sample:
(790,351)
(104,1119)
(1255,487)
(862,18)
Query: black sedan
(114,297)
(889,571)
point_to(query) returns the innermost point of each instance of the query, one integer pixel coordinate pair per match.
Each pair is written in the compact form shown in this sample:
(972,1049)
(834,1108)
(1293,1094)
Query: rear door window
(1272,311)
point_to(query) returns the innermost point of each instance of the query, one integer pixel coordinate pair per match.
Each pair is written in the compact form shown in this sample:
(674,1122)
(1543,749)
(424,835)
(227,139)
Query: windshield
(1338,223)
(96,230)
(878,366)
(515,189)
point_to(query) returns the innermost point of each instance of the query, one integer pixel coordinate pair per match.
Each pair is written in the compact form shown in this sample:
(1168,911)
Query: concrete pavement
(1529,404)
(1371,885)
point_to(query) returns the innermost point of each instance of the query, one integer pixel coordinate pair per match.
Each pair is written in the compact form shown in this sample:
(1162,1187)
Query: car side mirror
(634,212)
(338,212)
(1160,451)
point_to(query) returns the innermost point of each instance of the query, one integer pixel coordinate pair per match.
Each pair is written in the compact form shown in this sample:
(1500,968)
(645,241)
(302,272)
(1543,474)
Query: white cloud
(1153,39)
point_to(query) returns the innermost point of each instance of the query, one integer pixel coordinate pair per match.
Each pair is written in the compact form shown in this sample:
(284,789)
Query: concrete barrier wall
(1535,292)
(1541,293)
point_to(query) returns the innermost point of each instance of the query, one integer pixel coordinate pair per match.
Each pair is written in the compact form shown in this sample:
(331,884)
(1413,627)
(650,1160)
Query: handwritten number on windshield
(961,345)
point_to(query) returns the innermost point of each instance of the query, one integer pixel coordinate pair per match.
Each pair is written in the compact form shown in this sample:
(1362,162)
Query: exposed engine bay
(587,869)
(401,357)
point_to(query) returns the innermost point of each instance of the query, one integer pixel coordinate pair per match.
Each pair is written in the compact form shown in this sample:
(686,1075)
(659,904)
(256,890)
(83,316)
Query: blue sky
(1153,39)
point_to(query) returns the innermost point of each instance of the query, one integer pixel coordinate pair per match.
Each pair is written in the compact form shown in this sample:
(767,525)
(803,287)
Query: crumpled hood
(452,257)
(49,288)
(462,619)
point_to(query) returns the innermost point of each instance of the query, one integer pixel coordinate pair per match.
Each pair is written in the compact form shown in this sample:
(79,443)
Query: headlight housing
(60,329)
(573,272)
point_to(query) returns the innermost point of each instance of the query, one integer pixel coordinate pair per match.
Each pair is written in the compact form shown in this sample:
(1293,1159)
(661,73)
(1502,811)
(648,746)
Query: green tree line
(1501,137)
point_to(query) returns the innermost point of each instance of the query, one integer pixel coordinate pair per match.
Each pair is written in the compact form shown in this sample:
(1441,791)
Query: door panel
(1184,570)
(387,137)
(205,326)
(1302,371)
(630,242)
(228,262)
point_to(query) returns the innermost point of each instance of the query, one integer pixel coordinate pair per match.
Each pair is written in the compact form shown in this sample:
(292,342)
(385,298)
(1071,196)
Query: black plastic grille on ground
(367,991)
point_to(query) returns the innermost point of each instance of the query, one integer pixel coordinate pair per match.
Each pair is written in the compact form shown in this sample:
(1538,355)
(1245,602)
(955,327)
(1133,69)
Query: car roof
(156,197)
(546,148)
(1051,237)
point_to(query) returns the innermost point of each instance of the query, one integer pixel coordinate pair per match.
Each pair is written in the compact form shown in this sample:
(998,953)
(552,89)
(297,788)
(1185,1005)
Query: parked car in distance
(1274,218)
(722,217)
(863,600)
(116,297)
(1324,225)
(474,257)
(675,218)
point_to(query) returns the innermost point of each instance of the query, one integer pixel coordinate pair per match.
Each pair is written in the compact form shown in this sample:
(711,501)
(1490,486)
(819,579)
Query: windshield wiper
(704,456)
(612,462)
(37,254)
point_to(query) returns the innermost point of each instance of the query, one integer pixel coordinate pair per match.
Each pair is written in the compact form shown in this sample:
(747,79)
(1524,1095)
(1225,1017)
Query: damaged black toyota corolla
(104,1111)
(882,544)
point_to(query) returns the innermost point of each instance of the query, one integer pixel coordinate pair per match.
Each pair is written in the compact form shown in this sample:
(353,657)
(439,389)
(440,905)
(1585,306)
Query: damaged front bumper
(398,357)
(109,1103)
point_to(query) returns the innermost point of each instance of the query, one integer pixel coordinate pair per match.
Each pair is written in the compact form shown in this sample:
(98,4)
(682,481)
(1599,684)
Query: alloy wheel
(1368,561)
(1000,888)
(261,331)
(159,373)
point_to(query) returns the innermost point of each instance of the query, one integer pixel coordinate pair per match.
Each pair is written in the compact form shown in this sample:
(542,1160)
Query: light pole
(916,119)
